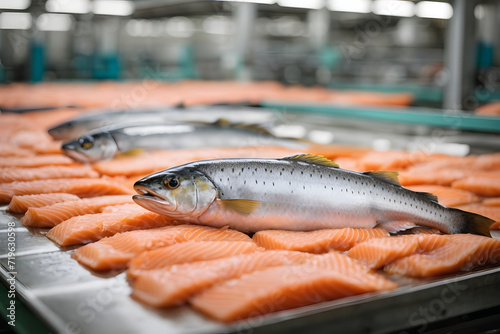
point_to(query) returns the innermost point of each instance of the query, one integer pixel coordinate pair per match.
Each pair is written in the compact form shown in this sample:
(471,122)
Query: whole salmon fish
(303,192)
(98,119)
(103,144)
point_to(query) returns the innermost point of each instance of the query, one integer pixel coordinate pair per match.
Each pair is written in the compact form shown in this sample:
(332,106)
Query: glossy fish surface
(79,126)
(303,192)
(104,144)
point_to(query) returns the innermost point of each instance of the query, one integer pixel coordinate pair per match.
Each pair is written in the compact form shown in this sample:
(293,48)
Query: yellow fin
(313,159)
(222,122)
(387,176)
(243,206)
(132,152)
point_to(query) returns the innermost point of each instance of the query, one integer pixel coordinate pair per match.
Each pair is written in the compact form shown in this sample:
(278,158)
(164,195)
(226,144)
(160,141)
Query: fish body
(304,193)
(104,144)
(79,126)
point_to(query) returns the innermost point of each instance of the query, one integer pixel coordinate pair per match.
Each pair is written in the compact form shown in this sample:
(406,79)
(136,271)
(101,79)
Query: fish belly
(281,216)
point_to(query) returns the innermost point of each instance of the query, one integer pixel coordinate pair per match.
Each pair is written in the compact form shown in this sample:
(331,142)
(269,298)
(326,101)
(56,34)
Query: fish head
(179,192)
(91,147)
(67,130)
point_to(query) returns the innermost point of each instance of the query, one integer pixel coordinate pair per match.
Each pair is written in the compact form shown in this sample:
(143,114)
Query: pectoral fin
(242,206)
(132,152)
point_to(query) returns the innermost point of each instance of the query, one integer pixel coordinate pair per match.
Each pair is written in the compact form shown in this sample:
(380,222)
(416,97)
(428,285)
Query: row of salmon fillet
(149,93)
(220,272)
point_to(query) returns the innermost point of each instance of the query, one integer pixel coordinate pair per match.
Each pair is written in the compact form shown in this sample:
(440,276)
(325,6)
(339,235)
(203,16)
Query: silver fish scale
(340,193)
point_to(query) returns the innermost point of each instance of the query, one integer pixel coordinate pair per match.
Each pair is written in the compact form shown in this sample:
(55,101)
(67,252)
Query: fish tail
(474,223)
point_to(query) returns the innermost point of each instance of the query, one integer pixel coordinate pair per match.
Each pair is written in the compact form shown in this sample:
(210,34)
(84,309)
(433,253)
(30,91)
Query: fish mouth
(152,200)
(70,150)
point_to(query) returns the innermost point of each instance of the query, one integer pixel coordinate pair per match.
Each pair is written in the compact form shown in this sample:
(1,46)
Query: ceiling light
(64,6)
(434,10)
(352,6)
(309,4)
(54,22)
(14,4)
(394,8)
(113,7)
(21,21)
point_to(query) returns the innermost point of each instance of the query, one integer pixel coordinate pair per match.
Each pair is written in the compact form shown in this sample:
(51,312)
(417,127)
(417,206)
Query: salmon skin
(79,126)
(302,192)
(104,144)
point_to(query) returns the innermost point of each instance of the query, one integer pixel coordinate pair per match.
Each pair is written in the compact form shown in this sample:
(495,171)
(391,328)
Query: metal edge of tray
(45,315)
(435,117)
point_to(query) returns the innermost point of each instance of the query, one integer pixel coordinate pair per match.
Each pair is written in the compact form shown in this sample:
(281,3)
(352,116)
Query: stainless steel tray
(70,299)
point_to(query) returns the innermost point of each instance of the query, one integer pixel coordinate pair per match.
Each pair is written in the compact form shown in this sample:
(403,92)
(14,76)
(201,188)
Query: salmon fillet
(387,160)
(116,251)
(300,285)
(446,195)
(10,150)
(319,241)
(176,284)
(446,170)
(49,147)
(489,109)
(494,201)
(52,215)
(81,187)
(375,253)
(185,252)
(20,204)
(36,161)
(480,185)
(462,253)
(46,172)
(443,177)
(158,160)
(121,208)
(30,138)
(92,227)
(490,162)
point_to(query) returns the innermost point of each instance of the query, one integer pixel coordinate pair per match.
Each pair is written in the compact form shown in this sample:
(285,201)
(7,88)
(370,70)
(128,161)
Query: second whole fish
(125,139)
(79,126)
(304,192)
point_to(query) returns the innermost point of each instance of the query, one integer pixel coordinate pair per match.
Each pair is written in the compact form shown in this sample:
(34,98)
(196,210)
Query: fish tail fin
(475,224)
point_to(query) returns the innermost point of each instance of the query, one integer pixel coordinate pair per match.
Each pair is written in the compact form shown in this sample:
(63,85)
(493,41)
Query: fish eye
(171,182)
(86,142)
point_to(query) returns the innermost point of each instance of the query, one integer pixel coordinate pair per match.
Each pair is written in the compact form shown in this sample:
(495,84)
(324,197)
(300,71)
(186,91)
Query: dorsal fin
(387,176)
(429,196)
(222,122)
(225,123)
(312,159)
